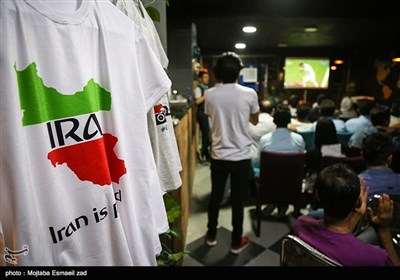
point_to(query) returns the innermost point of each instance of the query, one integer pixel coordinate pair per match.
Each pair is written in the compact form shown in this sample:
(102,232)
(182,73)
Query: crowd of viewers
(358,119)
(341,197)
(241,129)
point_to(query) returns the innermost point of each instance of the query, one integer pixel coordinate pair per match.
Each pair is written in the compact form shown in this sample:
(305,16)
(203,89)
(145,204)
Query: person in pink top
(344,199)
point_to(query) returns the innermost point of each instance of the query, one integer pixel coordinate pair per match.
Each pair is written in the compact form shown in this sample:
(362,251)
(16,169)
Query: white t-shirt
(229,107)
(161,129)
(265,125)
(136,11)
(301,126)
(78,185)
(198,92)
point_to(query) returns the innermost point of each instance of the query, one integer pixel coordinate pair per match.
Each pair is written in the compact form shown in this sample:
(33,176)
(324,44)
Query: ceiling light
(240,46)
(396,59)
(338,61)
(249,29)
(333,67)
(310,28)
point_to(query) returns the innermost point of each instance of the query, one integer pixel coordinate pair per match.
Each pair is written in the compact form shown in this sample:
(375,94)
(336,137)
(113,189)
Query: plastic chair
(296,252)
(280,181)
(308,137)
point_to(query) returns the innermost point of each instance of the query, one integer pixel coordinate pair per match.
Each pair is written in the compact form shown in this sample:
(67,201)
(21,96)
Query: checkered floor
(262,251)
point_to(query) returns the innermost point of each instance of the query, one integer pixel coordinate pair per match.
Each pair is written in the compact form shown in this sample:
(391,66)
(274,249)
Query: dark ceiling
(342,24)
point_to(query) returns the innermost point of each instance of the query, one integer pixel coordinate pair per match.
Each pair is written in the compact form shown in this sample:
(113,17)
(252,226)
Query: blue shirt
(381,180)
(282,141)
(353,124)
(362,132)
(339,124)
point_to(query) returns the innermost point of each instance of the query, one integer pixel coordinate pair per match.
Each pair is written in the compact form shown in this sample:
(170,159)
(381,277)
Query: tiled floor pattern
(263,250)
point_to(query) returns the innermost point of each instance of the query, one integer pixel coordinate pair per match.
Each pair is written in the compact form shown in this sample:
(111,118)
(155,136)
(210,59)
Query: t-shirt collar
(46,10)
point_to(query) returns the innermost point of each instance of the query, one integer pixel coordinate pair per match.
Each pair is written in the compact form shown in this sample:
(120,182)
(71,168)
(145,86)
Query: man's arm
(200,100)
(382,221)
(254,118)
(199,97)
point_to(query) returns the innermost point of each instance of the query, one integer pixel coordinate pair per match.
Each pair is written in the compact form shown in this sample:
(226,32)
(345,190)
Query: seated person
(364,106)
(377,151)
(265,125)
(281,141)
(300,123)
(347,110)
(327,112)
(344,199)
(326,144)
(315,112)
(380,118)
(293,103)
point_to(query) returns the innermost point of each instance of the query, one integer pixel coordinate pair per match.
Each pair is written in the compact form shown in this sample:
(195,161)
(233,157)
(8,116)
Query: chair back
(357,164)
(308,137)
(281,177)
(296,252)
(280,181)
(344,136)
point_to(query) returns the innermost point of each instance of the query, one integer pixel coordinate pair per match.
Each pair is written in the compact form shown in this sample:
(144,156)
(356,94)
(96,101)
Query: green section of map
(41,103)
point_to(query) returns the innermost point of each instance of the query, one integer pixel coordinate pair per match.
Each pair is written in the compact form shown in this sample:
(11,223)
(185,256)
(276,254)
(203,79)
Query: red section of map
(93,161)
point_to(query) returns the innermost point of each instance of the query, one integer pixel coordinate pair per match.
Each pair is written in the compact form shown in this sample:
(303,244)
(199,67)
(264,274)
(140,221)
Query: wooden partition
(185,132)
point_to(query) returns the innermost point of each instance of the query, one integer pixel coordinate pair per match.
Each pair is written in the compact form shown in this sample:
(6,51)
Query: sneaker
(239,248)
(210,242)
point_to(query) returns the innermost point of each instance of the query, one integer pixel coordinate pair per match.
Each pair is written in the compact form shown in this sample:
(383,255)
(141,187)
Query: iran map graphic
(72,118)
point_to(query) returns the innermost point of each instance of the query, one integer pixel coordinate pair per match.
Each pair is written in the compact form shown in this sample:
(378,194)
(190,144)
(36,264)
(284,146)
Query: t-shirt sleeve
(153,78)
(197,93)
(254,107)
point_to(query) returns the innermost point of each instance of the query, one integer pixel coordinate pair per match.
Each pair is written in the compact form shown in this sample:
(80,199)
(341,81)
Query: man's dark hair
(321,97)
(202,73)
(282,116)
(376,149)
(294,100)
(228,68)
(365,106)
(302,111)
(327,108)
(338,189)
(380,115)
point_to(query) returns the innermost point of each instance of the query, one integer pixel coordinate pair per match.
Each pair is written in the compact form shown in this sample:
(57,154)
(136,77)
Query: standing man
(309,75)
(202,118)
(230,107)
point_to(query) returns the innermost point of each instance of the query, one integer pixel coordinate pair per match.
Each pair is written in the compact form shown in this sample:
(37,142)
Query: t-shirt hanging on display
(162,135)
(78,182)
